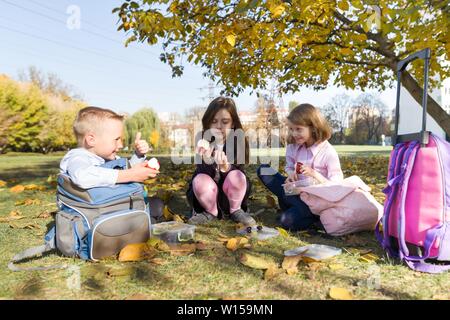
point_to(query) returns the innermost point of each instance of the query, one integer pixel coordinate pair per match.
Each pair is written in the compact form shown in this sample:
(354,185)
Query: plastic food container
(315,251)
(291,188)
(173,231)
(259,232)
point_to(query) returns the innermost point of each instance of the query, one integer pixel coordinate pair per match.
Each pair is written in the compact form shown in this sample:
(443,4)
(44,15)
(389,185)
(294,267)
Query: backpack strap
(48,246)
(399,157)
(417,262)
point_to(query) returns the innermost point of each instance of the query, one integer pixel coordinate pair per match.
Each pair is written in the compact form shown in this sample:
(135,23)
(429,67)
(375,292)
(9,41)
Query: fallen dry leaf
(158,244)
(136,252)
(178,218)
(336,266)
(369,257)
(28,202)
(236,243)
(182,249)
(271,201)
(17,189)
(26,225)
(282,232)
(290,264)
(272,272)
(158,261)
(256,262)
(34,187)
(168,214)
(201,246)
(13,215)
(340,294)
(2,183)
(44,215)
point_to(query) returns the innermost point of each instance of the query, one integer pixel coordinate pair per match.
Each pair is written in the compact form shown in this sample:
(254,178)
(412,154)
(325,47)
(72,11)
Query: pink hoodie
(322,157)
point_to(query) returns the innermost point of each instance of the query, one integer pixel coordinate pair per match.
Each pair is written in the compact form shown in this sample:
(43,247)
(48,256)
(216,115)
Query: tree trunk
(433,108)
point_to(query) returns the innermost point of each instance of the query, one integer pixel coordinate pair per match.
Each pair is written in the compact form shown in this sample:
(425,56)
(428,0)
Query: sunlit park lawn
(214,272)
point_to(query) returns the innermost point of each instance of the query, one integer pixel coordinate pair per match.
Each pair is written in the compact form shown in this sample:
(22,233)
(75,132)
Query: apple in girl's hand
(298,167)
(203,144)
(153,163)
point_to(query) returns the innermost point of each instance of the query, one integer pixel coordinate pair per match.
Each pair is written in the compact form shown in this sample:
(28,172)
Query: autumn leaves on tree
(243,44)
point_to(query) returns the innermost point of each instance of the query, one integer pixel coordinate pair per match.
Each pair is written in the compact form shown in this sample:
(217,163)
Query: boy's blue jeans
(296,214)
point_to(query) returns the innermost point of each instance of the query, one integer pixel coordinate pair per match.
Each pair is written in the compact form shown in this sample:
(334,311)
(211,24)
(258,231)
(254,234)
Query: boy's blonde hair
(307,115)
(90,119)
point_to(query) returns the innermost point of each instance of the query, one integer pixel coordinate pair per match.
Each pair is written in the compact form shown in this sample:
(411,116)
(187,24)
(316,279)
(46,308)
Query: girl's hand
(222,161)
(292,177)
(308,171)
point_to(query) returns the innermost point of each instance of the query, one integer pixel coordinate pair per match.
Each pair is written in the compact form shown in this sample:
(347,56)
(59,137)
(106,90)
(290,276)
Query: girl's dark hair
(228,104)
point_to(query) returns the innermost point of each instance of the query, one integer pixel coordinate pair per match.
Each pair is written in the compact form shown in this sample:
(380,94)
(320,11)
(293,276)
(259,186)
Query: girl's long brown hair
(228,104)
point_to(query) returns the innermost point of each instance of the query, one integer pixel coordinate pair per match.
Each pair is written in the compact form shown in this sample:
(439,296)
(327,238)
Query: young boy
(99,135)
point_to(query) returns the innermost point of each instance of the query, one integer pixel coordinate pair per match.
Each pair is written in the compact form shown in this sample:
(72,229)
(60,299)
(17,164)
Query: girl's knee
(204,182)
(236,176)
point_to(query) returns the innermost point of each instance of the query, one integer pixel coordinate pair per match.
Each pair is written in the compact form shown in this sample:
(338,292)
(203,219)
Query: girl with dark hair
(219,187)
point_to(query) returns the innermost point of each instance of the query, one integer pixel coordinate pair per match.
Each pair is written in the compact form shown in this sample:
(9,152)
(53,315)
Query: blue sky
(95,62)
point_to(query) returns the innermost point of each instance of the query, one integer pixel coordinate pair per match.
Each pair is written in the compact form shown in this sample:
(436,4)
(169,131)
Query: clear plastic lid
(315,251)
(173,231)
(259,232)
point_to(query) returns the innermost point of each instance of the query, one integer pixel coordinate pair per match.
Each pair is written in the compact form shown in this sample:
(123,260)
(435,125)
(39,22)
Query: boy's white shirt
(83,168)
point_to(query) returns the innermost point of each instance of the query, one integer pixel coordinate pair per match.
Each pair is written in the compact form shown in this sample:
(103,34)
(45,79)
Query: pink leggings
(234,187)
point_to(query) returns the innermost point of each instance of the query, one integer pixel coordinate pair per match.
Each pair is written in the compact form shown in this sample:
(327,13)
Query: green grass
(211,274)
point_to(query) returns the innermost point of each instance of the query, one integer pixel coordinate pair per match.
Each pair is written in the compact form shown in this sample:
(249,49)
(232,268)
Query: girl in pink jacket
(309,155)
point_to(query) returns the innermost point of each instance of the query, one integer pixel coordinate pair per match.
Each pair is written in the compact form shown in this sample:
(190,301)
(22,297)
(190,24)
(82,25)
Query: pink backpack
(416,219)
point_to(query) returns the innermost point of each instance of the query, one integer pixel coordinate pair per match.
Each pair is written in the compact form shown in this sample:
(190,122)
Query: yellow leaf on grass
(223,238)
(177,218)
(168,214)
(136,252)
(272,272)
(256,262)
(336,266)
(231,39)
(158,261)
(369,257)
(158,244)
(290,264)
(13,215)
(271,201)
(34,187)
(340,294)
(182,249)
(28,202)
(17,189)
(2,183)
(235,243)
(283,232)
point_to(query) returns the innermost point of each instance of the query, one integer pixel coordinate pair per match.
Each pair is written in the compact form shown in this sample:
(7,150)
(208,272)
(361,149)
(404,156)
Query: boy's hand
(140,146)
(138,173)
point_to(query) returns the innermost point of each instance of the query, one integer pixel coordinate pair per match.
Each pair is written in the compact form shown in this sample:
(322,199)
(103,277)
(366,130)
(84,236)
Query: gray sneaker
(201,218)
(240,216)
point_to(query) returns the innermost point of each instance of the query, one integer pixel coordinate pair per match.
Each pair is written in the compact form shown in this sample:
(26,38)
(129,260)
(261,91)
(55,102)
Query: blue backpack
(94,223)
